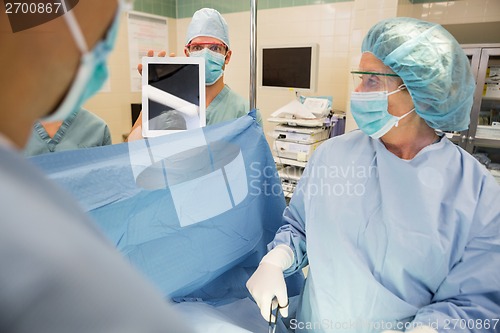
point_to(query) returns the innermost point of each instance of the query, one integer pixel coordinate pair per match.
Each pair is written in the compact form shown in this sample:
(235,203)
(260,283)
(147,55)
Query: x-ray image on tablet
(173,94)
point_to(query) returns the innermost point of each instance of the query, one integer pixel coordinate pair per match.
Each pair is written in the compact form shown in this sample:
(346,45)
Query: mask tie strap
(75,30)
(398,89)
(407,113)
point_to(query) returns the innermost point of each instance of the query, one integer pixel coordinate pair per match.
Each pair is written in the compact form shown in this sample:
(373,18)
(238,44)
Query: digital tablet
(173,94)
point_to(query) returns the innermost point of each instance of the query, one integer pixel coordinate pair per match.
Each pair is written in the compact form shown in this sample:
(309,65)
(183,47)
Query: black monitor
(289,66)
(135,109)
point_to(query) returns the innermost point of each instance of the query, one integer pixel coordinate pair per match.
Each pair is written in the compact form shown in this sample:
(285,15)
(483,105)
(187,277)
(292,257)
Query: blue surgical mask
(369,109)
(213,64)
(92,71)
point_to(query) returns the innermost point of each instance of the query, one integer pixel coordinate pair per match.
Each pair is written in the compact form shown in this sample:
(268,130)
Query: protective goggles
(214,47)
(373,81)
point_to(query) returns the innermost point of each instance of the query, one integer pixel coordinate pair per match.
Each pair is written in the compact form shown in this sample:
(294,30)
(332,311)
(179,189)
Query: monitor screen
(173,95)
(135,111)
(289,67)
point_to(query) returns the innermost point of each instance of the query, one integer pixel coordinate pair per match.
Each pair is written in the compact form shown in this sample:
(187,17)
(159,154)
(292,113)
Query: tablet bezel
(146,62)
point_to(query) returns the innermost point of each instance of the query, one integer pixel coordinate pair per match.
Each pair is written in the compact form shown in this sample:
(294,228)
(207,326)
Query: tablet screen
(173,95)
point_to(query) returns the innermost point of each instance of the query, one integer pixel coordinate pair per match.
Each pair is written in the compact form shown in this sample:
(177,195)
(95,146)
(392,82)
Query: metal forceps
(275,312)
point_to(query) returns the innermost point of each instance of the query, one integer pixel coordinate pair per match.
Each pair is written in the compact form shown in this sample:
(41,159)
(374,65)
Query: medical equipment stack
(302,126)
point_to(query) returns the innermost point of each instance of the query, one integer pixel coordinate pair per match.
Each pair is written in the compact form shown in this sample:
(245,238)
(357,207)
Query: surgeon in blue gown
(400,228)
(59,273)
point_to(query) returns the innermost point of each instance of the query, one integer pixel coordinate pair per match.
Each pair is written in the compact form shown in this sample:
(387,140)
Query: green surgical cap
(208,22)
(432,65)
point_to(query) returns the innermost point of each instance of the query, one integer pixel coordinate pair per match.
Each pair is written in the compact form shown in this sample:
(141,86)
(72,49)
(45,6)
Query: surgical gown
(392,243)
(228,105)
(58,273)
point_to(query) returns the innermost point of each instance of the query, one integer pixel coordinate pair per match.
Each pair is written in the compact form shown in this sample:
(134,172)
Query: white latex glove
(421,329)
(268,281)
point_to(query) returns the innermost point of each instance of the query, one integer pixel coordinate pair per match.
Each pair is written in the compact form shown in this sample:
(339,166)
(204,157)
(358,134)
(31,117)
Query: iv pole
(253,54)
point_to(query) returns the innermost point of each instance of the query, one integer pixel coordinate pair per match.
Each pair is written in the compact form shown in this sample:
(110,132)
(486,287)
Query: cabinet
(482,138)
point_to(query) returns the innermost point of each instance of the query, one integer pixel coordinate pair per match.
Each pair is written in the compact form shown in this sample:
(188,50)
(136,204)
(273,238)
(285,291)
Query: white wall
(453,12)
(338,28)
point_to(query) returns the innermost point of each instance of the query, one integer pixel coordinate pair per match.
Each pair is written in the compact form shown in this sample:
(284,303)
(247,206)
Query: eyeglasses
(215,47)
(372,81)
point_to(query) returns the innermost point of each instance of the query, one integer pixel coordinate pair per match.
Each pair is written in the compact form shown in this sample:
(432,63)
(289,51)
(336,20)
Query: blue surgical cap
(432,65)
(208,22)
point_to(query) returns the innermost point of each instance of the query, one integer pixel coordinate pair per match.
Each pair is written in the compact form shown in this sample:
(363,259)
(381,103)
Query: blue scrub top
(228,105)
(393,242)
(80,129)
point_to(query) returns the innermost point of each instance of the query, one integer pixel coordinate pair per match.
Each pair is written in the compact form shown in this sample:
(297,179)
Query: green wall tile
(147,7)
(138,5)
(284,3)
(157,8)
(264,4)
(243,5)
(300,2)
(186,8)
(427,1)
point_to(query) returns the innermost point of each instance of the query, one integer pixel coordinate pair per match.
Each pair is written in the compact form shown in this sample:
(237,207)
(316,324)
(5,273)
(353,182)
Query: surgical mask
(92,71)
(213,64)
(370,110)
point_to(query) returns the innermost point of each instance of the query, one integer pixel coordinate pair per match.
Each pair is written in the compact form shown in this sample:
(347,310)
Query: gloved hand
(420,329)
(268,281)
